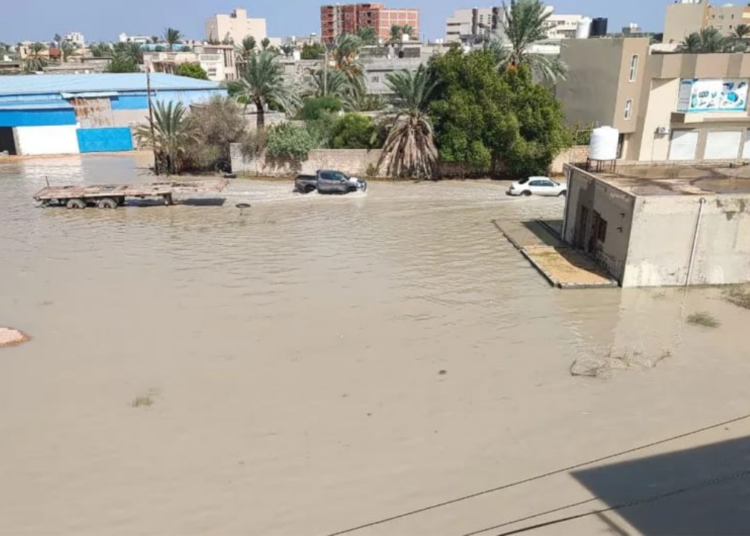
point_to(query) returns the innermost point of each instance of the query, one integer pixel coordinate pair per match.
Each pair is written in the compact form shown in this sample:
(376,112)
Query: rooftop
(80,83)
(675,179)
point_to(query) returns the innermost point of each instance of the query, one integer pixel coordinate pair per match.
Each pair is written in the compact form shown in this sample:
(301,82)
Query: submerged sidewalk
(563,266)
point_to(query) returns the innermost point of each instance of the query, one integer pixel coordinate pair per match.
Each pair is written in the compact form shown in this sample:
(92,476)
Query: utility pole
(151,120)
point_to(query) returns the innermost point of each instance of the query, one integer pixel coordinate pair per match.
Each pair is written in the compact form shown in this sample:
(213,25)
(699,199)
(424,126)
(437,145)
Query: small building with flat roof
(64,114)
(663,225)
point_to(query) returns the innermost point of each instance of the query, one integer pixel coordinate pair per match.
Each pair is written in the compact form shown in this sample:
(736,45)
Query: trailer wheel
(107,202)
(75,204)
(168,200)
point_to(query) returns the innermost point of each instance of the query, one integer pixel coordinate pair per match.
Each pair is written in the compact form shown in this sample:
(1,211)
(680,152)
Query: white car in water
(538,186)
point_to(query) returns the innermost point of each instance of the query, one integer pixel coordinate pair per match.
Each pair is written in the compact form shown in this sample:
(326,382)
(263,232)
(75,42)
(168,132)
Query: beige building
(667,107)
(219,61)
(235,27)
(690,16)
(476,21)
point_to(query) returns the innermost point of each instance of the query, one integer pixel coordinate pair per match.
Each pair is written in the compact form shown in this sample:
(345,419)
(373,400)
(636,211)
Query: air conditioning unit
(662,131)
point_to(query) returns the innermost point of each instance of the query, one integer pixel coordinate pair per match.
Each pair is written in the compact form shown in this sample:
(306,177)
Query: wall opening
(7,141)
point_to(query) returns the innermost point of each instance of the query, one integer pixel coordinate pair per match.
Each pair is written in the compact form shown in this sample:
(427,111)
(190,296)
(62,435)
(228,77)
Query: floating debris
(12,337)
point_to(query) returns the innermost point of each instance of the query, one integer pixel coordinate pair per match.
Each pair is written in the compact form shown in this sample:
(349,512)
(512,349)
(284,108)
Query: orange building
(337,20)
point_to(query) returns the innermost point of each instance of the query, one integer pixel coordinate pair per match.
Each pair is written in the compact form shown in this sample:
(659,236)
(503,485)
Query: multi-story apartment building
(667,107)
(235,27)
(336,20)
(477,21)
(689,16)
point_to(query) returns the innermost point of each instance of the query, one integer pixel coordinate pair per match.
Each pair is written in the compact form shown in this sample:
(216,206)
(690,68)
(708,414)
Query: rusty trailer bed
(114,195)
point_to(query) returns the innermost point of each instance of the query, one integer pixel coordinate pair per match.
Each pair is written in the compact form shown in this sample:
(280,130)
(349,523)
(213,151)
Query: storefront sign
(712,95)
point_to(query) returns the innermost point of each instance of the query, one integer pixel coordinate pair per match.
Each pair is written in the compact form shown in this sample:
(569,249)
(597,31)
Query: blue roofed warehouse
(65,114)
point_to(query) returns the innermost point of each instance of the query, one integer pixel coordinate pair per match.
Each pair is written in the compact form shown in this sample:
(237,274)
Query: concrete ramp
(563,266)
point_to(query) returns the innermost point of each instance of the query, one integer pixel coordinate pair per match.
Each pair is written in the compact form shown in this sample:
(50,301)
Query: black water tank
(599,27)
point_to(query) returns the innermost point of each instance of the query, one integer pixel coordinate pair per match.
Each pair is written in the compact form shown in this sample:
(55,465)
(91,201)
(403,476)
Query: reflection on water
(296,347)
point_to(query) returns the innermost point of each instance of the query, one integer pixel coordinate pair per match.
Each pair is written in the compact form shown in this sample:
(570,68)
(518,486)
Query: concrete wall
(660,100)
(575,155)
(684,19)
(662,239)
(351,161)
(46,140)
(586,194)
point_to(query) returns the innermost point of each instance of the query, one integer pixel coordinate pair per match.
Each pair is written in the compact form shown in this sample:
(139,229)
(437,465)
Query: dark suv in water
(327,181)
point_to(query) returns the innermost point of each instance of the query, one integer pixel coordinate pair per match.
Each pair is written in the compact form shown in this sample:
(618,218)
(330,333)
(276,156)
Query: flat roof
(675,179)
(37,84)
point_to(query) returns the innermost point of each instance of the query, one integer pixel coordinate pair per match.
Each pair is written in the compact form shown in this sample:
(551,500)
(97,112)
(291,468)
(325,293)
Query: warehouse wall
(46,140)
(29,118)
(96,140)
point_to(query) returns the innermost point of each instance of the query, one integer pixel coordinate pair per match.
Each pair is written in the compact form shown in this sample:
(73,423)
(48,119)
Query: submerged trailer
(115,195)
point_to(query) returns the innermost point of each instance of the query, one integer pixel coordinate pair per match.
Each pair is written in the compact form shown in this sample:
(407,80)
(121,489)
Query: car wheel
(563,194)
(527,193)
(309,189)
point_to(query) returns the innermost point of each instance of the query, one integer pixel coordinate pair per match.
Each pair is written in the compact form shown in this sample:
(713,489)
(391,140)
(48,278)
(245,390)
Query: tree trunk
(261,117)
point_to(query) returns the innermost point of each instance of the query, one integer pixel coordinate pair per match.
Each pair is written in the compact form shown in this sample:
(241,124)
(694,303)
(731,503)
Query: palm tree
(410,147)
(66,50)
(328,82)
(523,25)
(173,131)
(246,48)
(265,43)
(130,51)
(263,83)
(288,49)
(34,60)
(172,37)
(99,50)
(355,97)
(346,55)
(154,39)
(396,33)
(741,31)
(408,30)
(368,36)
(691,44)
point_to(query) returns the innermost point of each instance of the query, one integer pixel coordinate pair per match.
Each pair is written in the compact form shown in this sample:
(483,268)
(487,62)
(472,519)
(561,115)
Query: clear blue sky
(105,19)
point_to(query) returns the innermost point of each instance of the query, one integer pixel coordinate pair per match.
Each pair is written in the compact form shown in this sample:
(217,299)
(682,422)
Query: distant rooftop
(676,179)
(84,83)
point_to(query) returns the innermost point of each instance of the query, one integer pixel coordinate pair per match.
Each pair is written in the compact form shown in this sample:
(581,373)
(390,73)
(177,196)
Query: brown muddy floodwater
(314,364)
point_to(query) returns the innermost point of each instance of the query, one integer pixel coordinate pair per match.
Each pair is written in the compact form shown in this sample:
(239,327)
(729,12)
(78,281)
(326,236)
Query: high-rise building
(336,20)
(235,27)
(690,16)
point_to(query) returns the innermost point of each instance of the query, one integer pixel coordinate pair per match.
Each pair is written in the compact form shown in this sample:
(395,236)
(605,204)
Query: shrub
(289,142)
(314,108)
(354,131)
(312,51)
(703,319)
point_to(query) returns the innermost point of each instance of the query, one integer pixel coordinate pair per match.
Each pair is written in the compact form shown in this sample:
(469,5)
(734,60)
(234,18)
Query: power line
(622,506)
(538,477)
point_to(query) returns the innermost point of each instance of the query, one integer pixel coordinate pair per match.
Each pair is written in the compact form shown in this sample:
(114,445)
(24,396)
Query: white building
(478,21)
(235,27)
(140,39)
(76,38)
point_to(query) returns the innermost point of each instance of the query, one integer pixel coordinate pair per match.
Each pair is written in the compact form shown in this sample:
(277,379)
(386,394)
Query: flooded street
(314,364)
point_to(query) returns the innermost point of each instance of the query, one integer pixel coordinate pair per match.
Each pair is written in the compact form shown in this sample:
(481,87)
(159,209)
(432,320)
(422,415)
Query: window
(600,227)
(628,109)
(633,68)
(375,79)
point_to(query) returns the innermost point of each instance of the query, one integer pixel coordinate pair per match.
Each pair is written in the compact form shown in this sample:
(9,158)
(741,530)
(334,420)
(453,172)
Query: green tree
(121,63)
(328,82)
(265,43)
(264,84)
(396,34)
(289,142)
(58,40)
(174,131)
(154,39)
(707,41)
(132,51)
(312,51)
(100,50)
(409,149)
(484,117)
(315,108)
(191,70)
(346,55)
(354,131)
(368,36)
(356,98)
(741,31)
(66,50)
(160,48)
(524,24)
(221,123)
(172,37)
(34,61)
(288,49)
(246,48)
